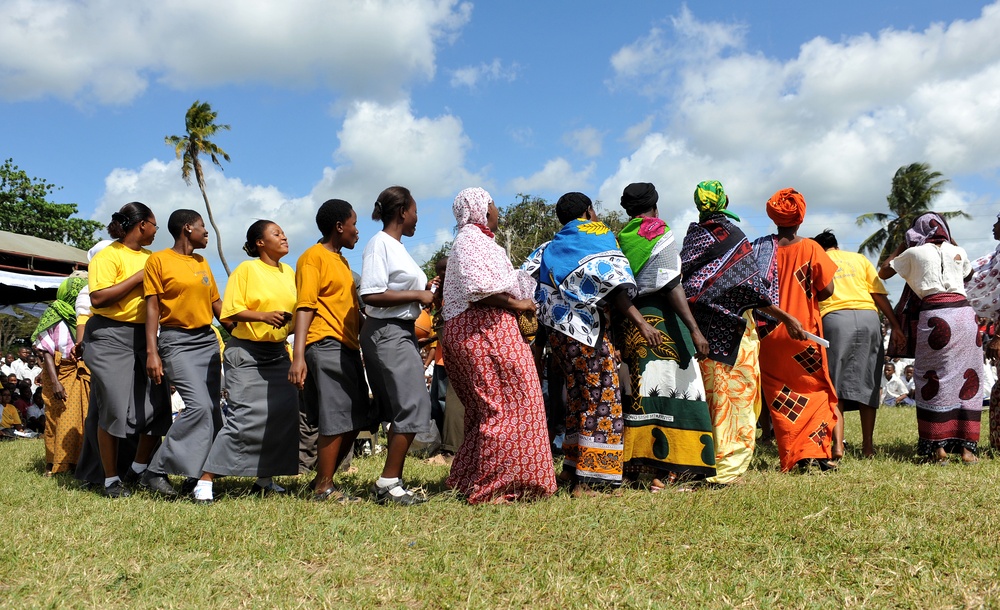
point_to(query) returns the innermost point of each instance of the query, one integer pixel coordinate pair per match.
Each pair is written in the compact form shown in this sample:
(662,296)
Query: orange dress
(795,378)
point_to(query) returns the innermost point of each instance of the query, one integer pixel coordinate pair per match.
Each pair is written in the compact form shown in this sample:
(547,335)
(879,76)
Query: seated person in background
(10,383)
(911,385)
(10,419)
(893,391)
(23,398)
(36,413)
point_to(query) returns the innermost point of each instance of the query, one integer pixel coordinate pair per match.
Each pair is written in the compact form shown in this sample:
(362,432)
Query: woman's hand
(58,390)
(425,297)
(794,328)
(154,368)
(700,345)
(897,343)
(652,336)
(297,373)
(522,305)
(277,319)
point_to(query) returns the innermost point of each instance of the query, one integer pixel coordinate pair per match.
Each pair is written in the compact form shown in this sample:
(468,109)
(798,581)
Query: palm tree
(200,125)
(913,188)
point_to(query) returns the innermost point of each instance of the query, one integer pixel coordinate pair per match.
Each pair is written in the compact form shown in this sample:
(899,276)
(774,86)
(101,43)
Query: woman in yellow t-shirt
(327,359)
(181,299)
(261,435)
(115,342)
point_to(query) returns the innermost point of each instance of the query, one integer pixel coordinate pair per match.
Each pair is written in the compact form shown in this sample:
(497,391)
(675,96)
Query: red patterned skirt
(505,455)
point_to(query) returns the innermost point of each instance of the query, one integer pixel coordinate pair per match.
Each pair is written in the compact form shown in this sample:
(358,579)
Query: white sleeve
(374,270)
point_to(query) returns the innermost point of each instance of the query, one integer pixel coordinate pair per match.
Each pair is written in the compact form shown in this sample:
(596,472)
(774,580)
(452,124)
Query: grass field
(879,533)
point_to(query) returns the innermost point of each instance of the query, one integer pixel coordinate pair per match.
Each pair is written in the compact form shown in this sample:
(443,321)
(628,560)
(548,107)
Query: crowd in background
(657,361)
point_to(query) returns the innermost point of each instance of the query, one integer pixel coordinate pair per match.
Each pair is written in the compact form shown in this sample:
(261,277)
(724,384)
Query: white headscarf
(477,266)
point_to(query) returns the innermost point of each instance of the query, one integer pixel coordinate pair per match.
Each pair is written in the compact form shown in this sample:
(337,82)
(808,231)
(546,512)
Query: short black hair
(571,206)
(179,218)
(330,213)
(827,240)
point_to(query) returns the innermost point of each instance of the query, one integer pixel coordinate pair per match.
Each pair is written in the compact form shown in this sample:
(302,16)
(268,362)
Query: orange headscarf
(787,208)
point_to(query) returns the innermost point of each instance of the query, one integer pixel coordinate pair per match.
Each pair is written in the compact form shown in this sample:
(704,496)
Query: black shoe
(116,490)
(384,496)
(187,487)
(261,490)
(131,478)
(158,484)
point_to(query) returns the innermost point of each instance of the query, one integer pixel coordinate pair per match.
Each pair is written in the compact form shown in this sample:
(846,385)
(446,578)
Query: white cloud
(471,76)
(587,141)
(835,121)
(635,133)
(385,144)
(423,251)
(110,51)
(556,177)
(380,145)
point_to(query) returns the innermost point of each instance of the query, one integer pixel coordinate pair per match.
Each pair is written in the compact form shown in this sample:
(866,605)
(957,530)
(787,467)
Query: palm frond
(878,217)
(874,242)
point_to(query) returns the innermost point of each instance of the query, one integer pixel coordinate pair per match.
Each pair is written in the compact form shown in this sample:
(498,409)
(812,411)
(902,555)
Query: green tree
(16,328)
(525,225)
(200,126)
(25,209)
(914,187)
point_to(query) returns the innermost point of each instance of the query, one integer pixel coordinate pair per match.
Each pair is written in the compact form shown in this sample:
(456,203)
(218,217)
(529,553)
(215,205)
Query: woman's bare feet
(969,457)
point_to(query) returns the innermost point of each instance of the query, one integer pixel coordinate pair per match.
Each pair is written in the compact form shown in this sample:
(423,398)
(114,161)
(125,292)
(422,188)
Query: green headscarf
(710,198)
(63,309)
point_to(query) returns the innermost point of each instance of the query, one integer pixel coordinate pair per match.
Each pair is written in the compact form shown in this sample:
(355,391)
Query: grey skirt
(191,363)
(336,390)
(855,355)
(261,435)
(396,373)
(127,401)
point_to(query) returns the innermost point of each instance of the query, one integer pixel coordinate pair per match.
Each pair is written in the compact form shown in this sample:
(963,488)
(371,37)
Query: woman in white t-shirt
(947,348)
(394,289)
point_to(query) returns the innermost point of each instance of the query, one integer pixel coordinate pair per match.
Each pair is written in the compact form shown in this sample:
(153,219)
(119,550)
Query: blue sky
(341,99)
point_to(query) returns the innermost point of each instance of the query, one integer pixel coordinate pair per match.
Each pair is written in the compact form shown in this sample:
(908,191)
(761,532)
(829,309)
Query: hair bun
(120,219)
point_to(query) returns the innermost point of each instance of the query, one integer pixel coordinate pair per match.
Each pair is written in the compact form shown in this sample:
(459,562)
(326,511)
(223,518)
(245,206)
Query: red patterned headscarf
(787,208)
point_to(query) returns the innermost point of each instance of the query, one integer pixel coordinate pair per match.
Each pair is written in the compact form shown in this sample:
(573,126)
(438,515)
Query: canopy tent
(32,268)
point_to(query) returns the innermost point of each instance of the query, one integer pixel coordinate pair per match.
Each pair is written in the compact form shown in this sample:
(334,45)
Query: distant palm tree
(199,122)
(913,188)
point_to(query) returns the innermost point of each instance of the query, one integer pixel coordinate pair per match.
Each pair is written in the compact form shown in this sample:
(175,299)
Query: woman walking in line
(505,455)
(581,275)
(794,374)
(65,380)
(260,436)
(326,363)
(668,427)
(181,300)
(115,340)
(945,340)
(394,288)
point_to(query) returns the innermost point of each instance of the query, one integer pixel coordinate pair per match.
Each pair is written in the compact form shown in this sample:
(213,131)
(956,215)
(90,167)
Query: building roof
(36,247)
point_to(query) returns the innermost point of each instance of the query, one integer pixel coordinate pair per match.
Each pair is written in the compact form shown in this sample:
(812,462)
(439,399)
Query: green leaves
(914,188)
(25,209)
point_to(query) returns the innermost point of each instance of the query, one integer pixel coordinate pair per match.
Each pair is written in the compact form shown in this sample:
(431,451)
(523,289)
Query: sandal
(332,494)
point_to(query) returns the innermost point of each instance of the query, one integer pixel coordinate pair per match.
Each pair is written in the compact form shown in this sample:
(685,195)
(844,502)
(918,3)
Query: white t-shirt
(931,269)
(386,265)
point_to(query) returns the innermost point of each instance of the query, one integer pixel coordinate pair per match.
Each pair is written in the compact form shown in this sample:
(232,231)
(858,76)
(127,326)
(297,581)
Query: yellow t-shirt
(111,266)
(324,282)
(853,284)
(10,417)
(257,286)
(185,286)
